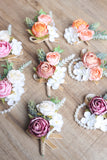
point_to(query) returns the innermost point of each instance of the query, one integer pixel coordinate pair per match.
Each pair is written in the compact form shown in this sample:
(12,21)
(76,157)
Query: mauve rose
(45,70)
(39,127)
(53,58)
(39,29)
(5,88)
(98,105)
(5,49)
(90,60)
(45,19)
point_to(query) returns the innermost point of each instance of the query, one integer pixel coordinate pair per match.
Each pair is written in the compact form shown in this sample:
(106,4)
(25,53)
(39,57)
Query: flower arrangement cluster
(81,31)
(44,120)
(90,66)
(49,69)
(9,46)
(42,27)
(95,115)
(11,85)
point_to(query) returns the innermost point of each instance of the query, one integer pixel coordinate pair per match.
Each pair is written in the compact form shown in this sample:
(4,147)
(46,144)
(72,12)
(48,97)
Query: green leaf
(41,55)
(101,55)
(105,73)
(105,96)
(30,116)
(3,66)
(46,36)
(94,26)
(25,65)
(36,18)
(58,49)
(30,32)
(29,22)
(3,100)
(34,69)
(42,12)
(55,100)
(43,138)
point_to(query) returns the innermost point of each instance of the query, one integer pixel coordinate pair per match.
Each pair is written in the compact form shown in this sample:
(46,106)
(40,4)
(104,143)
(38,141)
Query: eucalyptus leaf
(101,55)
(94,26)
(105,96)
(105,73)
(100,35)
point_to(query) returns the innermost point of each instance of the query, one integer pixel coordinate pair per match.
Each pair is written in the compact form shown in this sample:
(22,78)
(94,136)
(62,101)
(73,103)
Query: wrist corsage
(11,85)
(89,66)
(80,31)
(50,70)
(10,48)
(42,27)
(44,121)
(95,113)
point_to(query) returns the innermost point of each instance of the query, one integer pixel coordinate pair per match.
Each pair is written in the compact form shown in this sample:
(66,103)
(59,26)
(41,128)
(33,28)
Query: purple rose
(98,105)
(39,127)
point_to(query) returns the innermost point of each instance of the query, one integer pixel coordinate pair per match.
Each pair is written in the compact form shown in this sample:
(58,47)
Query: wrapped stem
(42,149)
(48,90)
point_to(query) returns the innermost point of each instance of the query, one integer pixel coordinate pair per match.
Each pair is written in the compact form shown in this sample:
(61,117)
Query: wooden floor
(78,143)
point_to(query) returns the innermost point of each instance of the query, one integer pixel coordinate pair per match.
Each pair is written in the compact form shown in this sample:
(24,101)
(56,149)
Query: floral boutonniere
(95,112)
(11,85)
(10,48)
(50,69)
(89,66)
(44,120)
(42,27)
(80,31)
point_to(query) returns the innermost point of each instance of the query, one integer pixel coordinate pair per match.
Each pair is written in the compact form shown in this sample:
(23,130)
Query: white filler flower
(47,108)
(4,35)
(52,33)
(56,122)
(16,47)
(101,123)
(82,73)
(71,35)
(57,78)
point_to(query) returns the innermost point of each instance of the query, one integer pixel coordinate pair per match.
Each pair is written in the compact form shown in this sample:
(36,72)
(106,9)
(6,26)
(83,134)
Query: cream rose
(47,108)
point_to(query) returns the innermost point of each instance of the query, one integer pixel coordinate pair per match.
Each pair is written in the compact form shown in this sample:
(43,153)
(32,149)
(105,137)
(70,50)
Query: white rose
(16,47)
(47,108)
(15,77)
(56,122)
(4,35)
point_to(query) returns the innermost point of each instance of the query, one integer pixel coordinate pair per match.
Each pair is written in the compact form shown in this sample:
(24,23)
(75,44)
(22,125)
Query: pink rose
(39,127)
(5,49)
(86,35)
(90,60)
(5,88)
(45,70)
(45,19)
(98,105)
(53,58)
(95,73)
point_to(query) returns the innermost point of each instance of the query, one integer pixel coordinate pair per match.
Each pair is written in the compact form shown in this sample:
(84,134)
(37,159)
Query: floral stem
(42,147)
(48,90)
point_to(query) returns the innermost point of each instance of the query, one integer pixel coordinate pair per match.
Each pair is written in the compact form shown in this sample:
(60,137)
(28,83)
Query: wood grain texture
(78,143)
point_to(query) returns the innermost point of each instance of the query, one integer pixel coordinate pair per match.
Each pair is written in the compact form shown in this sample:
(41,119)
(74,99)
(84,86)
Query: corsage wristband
(95,113)
(44,120)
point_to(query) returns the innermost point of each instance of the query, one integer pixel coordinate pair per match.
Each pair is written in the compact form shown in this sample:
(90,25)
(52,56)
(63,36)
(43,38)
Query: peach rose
(95,73)
(53,58)
(5,49)
(80,25)
(5,88)
(45,70)
(90,60)
(39,29)
(45,19)
(86,35)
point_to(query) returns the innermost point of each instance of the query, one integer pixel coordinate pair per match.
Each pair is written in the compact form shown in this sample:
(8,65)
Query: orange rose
(90,60)
(53,58)
(80,25)
(45,70)
(95,73)
(86,35)
(39,29)
(45,19)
